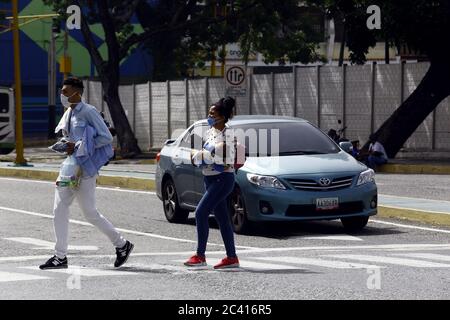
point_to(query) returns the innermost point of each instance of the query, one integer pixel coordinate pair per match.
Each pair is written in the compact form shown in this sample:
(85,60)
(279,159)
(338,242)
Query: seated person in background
(377,154)
(355,149)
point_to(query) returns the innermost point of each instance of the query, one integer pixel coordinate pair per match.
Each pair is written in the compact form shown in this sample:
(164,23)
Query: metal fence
(363,97)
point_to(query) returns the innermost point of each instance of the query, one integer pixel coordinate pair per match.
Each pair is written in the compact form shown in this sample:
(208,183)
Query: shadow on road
(280,230)
(170,269)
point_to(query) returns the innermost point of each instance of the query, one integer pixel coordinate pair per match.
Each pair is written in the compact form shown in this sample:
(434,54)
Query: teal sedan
(292,172)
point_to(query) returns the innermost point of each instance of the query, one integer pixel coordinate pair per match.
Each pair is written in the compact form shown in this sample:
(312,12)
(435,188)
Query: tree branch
(90,44)
(129,13)
(110,33)
(183,9)
(138,38)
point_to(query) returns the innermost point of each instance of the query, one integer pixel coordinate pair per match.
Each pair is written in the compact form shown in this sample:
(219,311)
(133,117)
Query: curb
(143,161)
(435,218)
(102,180)
(414,168)
(29,174)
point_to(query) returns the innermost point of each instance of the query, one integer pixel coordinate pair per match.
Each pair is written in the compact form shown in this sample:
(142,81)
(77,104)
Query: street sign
(235,81)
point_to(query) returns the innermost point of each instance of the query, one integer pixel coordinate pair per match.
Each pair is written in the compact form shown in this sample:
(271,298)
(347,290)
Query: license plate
(327,203)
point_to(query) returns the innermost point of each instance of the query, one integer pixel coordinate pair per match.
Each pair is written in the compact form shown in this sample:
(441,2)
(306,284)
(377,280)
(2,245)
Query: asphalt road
(428,186)
(315,260)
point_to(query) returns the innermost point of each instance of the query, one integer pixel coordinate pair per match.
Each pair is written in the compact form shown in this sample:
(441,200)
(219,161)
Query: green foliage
(422,25)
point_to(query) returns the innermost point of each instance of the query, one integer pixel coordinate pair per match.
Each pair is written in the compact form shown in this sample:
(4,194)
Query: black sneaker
(54,263)
(123,254)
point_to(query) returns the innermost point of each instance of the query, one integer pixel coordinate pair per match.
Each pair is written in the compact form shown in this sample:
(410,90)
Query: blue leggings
(218,187)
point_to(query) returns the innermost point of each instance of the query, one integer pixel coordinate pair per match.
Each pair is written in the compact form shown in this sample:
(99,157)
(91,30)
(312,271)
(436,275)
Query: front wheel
(238,212)
(354,224)
(172,210)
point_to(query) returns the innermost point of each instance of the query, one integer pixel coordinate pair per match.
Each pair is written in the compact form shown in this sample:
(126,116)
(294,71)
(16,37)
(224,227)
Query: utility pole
(52,79)
(20,160)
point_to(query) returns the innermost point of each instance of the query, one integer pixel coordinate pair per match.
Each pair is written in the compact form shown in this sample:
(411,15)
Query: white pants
(85,195)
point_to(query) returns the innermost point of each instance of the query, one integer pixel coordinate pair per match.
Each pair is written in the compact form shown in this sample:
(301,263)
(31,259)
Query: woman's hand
(193,153)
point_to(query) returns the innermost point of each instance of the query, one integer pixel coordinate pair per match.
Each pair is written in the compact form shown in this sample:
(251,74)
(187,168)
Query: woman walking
(217,158)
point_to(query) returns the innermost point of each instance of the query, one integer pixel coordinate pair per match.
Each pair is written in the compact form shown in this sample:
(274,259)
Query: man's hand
(70,148)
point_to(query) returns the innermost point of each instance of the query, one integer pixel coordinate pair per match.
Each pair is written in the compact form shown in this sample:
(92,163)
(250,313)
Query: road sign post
(235,81)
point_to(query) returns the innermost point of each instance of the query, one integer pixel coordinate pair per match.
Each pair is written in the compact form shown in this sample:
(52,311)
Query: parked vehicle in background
(7,121)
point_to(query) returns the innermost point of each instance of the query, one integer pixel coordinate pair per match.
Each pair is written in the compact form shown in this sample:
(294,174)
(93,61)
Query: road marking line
(247,264)
(146,234)
(391,196)
(153,193)
(47,245)
(430,256)
(336,237)
(409,226)
(101,188)
(174,269)
(12,276)
(86,272)
(392,260)
(22,258)
(319,262)
(366,247)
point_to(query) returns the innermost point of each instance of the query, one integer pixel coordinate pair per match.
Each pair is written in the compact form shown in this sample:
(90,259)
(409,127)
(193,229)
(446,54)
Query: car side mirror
(346,146)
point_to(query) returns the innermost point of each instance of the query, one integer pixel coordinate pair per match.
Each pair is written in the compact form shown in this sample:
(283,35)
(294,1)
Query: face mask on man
(65,100)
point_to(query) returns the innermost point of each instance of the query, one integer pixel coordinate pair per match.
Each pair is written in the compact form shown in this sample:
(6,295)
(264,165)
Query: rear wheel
(238,213)
(354,224)
(172,210)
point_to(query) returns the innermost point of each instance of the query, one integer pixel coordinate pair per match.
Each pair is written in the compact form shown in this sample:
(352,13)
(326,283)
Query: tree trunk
(128,143)
(434,87)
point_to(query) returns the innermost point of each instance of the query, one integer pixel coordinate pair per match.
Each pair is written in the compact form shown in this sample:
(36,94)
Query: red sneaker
(196,261)
(227,262)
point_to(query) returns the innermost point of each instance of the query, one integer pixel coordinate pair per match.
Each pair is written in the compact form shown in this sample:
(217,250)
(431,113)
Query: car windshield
(284,139)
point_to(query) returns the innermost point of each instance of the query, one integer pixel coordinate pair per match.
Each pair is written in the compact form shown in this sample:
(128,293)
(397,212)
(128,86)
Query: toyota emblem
(324,182)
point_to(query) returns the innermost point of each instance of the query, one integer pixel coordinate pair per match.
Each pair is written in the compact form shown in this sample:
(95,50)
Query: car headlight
(365,177)
(265,181)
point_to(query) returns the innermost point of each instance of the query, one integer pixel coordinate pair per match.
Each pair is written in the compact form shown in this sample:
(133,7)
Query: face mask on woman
(212,121)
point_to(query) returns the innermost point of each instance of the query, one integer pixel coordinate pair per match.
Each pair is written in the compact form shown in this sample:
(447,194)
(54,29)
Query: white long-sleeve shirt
(211,157)
(378,147)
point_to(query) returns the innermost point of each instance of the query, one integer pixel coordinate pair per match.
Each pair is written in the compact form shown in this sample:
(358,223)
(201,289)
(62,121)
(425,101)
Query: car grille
(309,210)
(312,185)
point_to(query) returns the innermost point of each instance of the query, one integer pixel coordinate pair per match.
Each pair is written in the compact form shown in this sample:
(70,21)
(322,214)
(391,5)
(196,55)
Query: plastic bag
(69,173)
(60,146)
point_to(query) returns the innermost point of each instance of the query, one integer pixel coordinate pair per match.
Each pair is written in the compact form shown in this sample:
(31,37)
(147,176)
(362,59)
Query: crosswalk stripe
(23,258)
(87,272)
(319,262)
(264,266)
(12,276)
(430,256)
(392,260)
(47,245)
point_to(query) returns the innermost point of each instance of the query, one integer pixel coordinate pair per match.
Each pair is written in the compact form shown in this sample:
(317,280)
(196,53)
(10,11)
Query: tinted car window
(4,103)
(194,136)
(293,138)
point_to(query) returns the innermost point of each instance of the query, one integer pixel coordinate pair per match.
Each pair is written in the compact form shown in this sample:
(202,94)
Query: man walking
(75,123)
